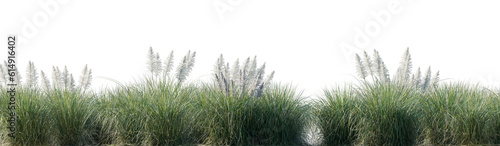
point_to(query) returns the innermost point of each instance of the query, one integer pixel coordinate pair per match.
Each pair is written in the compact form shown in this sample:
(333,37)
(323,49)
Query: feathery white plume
(31,75)
(404,70)
(82,77)
(435,79)
(236,74)
(427,79)
(56,75)
(65,78)
(185,66)
(417,78)
(157,63)
(360,69)
(169,63)
(151,61)
(88,79)
(45,81)
(71,83)
(85,78)
(384,73)
(368,64)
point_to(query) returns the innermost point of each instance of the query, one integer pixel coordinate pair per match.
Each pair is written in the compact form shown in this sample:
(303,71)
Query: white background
(300,40)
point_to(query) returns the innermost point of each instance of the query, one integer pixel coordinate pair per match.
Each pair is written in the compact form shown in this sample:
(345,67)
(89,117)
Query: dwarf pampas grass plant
(236,81)
(278,117)
(460,114)
(337,116)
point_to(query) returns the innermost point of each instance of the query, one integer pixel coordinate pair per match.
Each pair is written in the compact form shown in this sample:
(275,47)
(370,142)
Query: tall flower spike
(435,79)
(360,69)
(85,78)
(190,64)
(219,74)
(268,79)
(88,79)
(45,81)
(56,77)
(65,77)
(28,75)
(151,60)
(259,76)
(427,79)
(157,62)
(377,63)
(404,70)
(81,81)
(31,75)
(71,83)
(245,72)
(384,73)
(185,66)
(169,63)
(417,78)
(368,63)
(227,74)
(181,69)
(252,71)
(236,74)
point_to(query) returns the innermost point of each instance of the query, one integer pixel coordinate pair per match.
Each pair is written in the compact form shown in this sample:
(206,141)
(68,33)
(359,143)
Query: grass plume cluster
(375,68)
(236,81)
(156,68)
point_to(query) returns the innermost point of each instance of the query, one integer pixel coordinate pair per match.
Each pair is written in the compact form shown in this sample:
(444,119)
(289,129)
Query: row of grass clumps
(159,112)
(240,107)
(163,112)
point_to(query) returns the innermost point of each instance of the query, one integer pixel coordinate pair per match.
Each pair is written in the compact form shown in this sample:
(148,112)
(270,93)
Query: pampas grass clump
(278,117)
